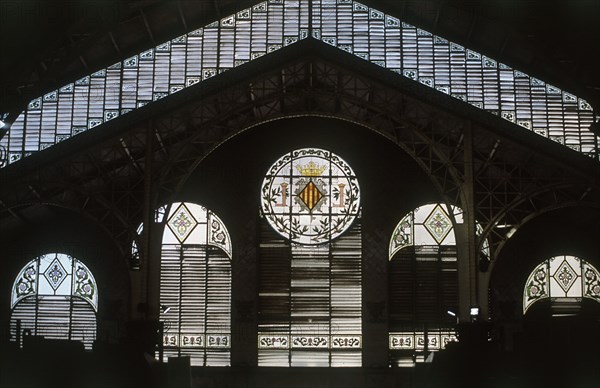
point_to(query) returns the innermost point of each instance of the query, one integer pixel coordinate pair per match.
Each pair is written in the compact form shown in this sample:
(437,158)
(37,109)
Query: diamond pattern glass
(182,223)
(55,274)
(438,224)
(565,275)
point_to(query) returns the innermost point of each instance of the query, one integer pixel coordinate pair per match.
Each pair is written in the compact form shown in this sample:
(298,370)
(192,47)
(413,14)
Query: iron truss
(140,162)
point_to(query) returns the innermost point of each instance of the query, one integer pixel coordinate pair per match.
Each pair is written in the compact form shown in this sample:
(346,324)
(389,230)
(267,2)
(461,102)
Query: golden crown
(311,169)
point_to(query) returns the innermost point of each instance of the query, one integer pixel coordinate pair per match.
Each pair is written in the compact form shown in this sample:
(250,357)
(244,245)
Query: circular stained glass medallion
(310,196)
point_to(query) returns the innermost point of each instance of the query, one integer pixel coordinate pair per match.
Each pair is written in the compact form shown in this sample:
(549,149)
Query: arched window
(310,262)
(564,280)
(195,285)
(423,282)
(55,296)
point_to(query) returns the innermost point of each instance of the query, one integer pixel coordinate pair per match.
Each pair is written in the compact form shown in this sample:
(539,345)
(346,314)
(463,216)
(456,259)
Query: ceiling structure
(50,43)
(109,174)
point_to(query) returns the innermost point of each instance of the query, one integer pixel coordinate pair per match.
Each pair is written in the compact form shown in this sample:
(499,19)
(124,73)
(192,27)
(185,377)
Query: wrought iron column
(466,235)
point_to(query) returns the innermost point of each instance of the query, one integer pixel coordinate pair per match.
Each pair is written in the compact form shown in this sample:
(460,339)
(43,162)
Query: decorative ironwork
(174,340)
(25,284)
(537,286)
(309,341)
(273,341)
(187,340)
(218,341)
(346,342)
(402,341)
(219,236)
(314,342)
(592,282)
(85,285)
(436,340)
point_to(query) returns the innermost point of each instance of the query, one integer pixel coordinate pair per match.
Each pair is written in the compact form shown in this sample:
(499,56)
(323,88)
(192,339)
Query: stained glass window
(413,343)
(310,196)
(430,225)
(562,279)
(195,285)
(55,296)
(350,26)
(423,282)
(310,262)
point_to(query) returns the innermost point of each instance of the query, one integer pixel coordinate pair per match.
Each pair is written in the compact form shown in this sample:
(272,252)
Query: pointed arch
(365,32)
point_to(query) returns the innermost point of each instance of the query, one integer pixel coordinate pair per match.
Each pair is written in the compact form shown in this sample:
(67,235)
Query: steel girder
(515,175)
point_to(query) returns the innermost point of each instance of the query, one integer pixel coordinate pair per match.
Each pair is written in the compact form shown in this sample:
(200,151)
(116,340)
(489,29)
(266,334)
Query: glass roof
(365,32)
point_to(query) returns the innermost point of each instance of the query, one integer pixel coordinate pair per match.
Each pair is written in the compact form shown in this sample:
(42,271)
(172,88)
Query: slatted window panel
(274,278)
(196,284)
(310,299)
(423,287)
(265,27)
(55,317)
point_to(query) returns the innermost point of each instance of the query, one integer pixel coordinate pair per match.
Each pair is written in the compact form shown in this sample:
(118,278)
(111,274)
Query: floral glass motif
(402,236)
(195,285)
(310,196)
(592,282)
(218,233)
(26,282)
(55,274)
(182,223)
(85,286)
(562,279)
(537,286)
(190,223)
(438,224)
(565,276)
